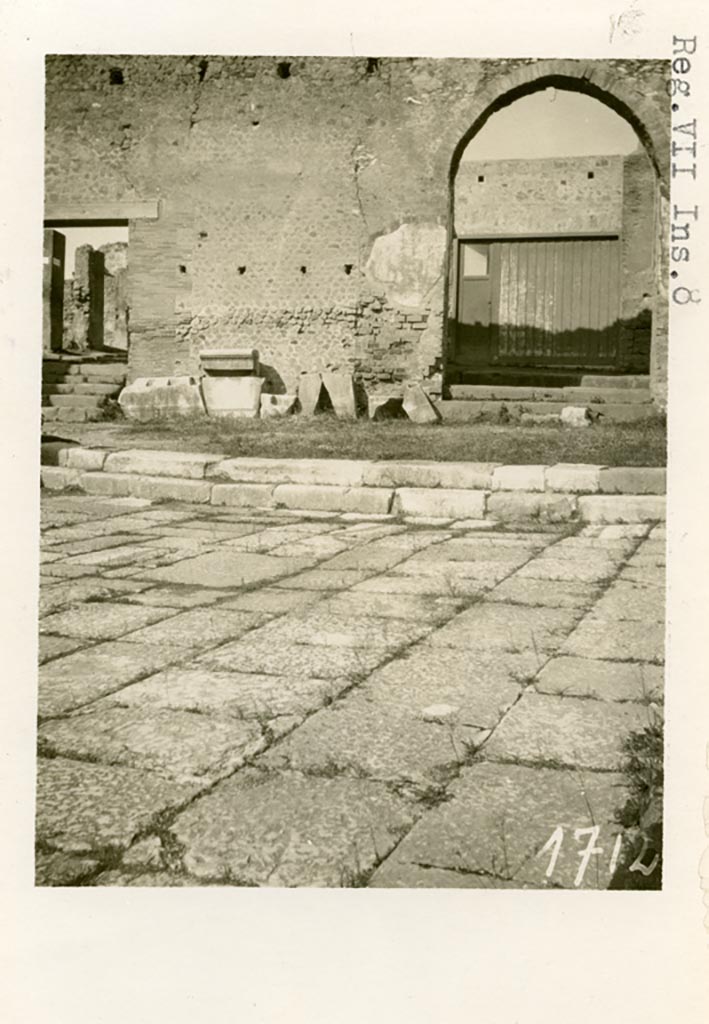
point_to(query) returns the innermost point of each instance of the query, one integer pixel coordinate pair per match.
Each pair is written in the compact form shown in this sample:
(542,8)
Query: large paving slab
(603,680)
(313,626)
(190,748)
(69,592)
(443,584)
(54,646)
(395,873)
(582,569)
(502,627)
(624,601)
(616,640)
(103,620)
(272,601)
(359,736)
(482,550)
(290,694)
(419,607)
(499,820)
(296,660)
(84,676)
(325,579)
(545,729)
(199,627)
(235,694)
(228,569)
(258,828)
(83,807)
(476,690)
(544,593)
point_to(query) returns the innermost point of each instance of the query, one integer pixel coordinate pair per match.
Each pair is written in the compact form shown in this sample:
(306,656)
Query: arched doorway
(556,268)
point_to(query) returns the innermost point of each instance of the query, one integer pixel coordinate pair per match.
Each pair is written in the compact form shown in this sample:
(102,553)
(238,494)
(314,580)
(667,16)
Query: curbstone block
(331,472)
(154,488)
(440,502)
(110,485)
(454,475)
(333,499)
(575,478)
(242,495)
(86,459)
(55,478)
(622,508)
(158,488)
(518,478)
(548,507)
(633,480)
(160,463)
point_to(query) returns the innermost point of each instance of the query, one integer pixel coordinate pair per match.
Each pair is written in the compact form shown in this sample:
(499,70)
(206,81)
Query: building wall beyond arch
(305,216)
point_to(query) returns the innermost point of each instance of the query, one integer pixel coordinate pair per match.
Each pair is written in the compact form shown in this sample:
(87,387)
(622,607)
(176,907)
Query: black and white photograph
(354,388)
(360,513)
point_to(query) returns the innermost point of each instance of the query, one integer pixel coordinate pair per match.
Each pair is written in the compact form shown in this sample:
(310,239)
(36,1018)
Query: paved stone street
(245,698)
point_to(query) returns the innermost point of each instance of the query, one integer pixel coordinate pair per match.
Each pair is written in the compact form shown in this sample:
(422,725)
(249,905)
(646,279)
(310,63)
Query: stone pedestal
(237,397)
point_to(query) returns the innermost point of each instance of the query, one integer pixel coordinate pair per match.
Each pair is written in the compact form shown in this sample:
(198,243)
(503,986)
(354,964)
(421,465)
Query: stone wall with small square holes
(303,200)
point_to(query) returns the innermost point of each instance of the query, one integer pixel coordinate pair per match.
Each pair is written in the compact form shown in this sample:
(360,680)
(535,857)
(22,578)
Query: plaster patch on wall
(405,264)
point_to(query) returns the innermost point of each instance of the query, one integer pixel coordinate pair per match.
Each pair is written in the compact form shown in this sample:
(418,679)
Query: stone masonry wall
(303,201)
(545,196)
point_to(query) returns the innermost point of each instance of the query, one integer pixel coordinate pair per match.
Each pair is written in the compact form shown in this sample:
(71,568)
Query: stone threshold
(464,490)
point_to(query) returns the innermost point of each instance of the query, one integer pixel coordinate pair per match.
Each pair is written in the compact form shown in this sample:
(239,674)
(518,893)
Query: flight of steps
(76,389)
(621,399)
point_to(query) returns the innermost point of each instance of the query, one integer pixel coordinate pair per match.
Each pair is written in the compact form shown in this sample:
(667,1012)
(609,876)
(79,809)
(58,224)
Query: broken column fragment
(318,391)
(309,388)
(418,406)
(340,388)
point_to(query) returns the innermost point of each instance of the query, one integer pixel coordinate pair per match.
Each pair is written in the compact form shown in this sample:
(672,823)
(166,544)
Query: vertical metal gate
(539,302)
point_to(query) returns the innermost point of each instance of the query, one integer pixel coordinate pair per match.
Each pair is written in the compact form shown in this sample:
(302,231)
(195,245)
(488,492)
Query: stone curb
(561,493)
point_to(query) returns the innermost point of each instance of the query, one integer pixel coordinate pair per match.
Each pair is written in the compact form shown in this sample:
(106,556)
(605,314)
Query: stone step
(77,386)
(467,411)
(76,401)
(570,395)
(607,381)
(548,377)
(117,370)
(64,415)
(97,387)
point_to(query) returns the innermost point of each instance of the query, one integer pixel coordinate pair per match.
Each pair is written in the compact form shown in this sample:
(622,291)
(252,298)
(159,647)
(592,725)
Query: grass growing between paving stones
(324,436)
(643,766)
